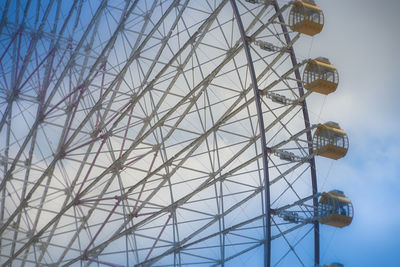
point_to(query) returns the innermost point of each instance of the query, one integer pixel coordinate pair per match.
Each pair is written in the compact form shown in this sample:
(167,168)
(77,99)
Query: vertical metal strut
(309,136)
(267,243)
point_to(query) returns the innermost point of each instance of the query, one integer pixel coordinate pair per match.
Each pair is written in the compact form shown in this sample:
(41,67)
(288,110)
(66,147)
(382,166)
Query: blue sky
(361,39)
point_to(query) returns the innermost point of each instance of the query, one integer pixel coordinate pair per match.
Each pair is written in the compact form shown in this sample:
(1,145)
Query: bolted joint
(62,154)
(41,116)
(37,35)
(85,256)
(106,135)
(76,202)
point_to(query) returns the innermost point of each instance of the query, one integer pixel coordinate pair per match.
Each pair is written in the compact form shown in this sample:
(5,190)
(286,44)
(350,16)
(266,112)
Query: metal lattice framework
(144,133)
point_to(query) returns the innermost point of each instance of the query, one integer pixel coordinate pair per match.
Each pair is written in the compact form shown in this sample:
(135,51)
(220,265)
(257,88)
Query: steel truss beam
(113,128)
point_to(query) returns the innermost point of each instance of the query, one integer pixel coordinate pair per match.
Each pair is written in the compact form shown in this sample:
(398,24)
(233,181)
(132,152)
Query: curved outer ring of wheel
(267,244)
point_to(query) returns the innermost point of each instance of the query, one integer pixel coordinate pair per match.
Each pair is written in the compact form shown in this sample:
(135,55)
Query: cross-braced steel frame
(147,133)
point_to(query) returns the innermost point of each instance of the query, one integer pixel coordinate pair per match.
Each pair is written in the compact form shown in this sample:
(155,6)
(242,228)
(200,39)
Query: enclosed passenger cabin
(335,209)
(320,76)
(330,141)
(306,17)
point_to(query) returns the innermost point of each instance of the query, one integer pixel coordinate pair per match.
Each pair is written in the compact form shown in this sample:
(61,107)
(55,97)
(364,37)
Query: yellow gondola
(306,17)
(330,141)
(320,76)
(335,209)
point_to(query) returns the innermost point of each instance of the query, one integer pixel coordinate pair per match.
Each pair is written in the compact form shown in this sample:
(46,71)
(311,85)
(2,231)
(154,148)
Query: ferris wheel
(163,133)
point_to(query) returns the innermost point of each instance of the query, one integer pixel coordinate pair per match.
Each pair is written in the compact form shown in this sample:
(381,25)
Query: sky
(361,38)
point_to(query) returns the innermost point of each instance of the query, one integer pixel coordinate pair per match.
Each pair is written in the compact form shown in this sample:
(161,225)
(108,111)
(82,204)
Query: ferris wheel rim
(309,136)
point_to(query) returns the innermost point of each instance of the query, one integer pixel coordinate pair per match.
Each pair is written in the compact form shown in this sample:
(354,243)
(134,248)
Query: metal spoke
(165,132)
